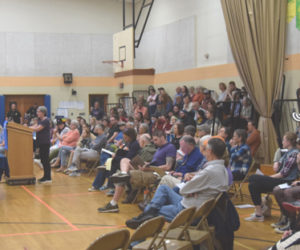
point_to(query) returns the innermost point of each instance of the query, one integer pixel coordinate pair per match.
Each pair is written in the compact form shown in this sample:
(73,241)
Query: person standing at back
(42,129)
(96,111)
(253,139)
(13,114)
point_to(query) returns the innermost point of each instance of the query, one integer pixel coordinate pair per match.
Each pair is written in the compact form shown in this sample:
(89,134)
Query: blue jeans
(103,157)
(63,154)
(3,166)
(100,179)
(102,175)
(167,201)
(2,150)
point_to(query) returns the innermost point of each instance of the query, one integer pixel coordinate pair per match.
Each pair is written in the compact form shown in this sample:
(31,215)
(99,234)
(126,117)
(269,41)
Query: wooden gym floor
(63,215)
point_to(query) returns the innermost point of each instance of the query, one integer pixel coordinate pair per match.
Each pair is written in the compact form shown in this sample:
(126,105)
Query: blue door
(2,109)
(47,103)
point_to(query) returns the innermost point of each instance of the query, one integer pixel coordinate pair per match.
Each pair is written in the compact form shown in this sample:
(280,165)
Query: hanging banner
(298,14)
(291,10)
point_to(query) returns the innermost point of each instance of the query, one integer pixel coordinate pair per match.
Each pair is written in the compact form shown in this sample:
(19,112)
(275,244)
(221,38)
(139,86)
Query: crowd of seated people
(192,111)
(191,147)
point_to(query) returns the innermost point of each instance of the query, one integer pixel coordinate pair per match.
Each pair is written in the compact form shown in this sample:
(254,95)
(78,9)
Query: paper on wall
(62,112)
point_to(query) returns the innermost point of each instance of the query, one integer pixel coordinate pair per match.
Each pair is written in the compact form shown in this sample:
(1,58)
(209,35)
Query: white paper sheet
(244,206)
(284,186)
(62,112)
(71,105)
(180,185)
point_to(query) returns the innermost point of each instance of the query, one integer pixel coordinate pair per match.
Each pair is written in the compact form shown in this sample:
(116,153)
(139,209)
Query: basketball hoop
(117,62)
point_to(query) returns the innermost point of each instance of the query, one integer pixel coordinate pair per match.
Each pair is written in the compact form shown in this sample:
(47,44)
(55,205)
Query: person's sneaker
(120,177)
(282,222)
(93,189)
(44,180)
(254,217)
(75,173)
(110,192)
(281,230)
(103,188)
(101,167)
(72,168)
(109,208)
(135,222)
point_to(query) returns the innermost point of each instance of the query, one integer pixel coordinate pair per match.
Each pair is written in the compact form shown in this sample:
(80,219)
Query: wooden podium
(20,154)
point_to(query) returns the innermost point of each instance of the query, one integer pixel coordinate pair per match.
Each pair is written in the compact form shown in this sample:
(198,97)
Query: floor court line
(50,208)
(60,231)
(247,215)
(50,223)
(242,245)
(262,240)
(72,194)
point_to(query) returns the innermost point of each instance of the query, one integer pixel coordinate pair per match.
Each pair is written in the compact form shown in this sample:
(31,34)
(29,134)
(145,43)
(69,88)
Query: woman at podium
(42,129)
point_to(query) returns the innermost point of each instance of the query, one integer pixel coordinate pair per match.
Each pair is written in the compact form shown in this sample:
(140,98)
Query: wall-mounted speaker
(68,78)
(74,92)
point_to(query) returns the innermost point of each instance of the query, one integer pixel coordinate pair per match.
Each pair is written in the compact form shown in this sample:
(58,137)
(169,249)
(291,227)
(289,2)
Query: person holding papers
(205,185)
(121,178)
(286,171)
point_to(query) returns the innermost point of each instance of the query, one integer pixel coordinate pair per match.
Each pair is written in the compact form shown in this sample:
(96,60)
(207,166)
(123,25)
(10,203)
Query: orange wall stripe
(56,81)
(292,62)
(211,72)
